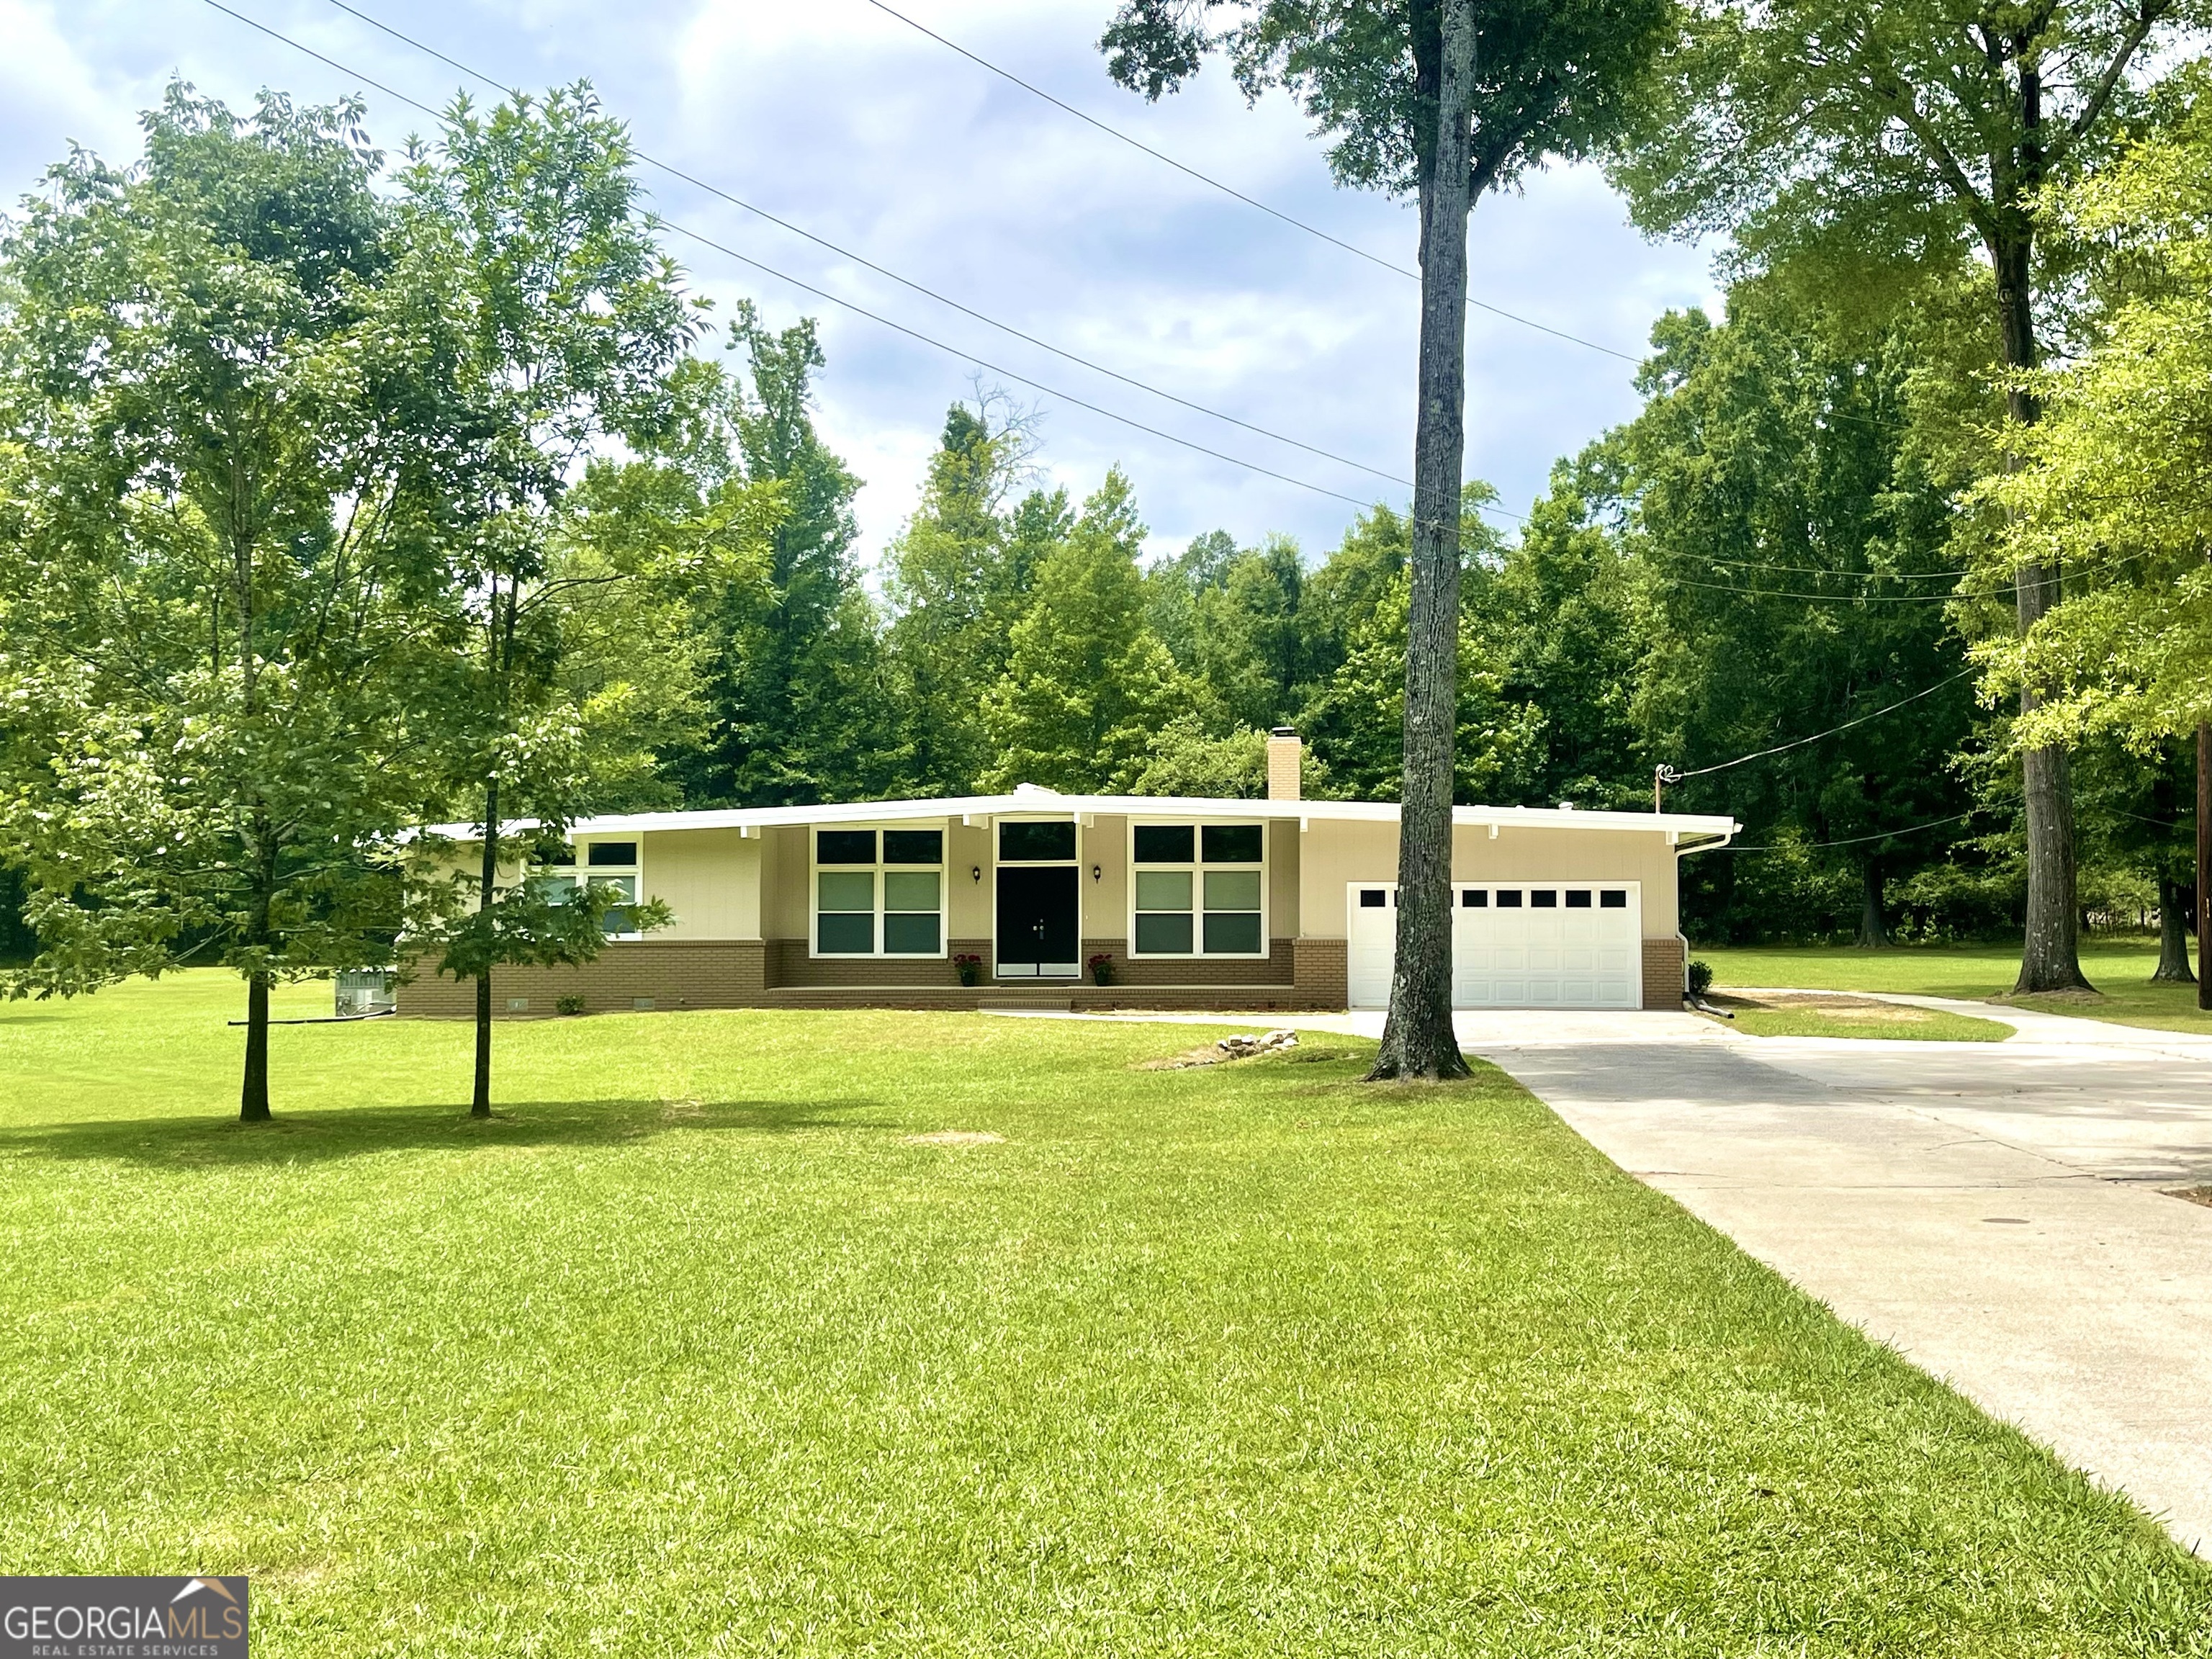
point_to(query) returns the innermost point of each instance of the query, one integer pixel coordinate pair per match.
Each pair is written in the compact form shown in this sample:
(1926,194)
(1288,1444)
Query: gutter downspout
(1733,831)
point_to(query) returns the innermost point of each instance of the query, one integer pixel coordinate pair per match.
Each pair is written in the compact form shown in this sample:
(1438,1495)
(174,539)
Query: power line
(697,182)
(1883,599)
(1855,841)
(1856,575)
(835,299)
(1668,775)
(1231,190)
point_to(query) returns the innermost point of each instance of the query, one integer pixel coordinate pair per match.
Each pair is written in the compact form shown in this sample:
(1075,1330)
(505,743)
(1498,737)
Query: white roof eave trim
(1041,802)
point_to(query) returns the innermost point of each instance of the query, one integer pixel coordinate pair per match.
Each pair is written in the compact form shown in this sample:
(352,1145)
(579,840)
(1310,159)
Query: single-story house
(1246,905)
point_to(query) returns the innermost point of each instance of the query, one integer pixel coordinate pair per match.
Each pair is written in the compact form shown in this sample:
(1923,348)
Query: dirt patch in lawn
(1204,1055)
(2194,1195)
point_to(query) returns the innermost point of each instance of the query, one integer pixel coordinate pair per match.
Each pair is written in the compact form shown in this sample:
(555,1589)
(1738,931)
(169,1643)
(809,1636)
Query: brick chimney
(1284,751)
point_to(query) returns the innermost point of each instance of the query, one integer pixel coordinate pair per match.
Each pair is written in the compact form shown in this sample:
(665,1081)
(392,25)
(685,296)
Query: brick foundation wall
(788,965)
(1323,971)
(1273,969)
(667,973)
(1662,973)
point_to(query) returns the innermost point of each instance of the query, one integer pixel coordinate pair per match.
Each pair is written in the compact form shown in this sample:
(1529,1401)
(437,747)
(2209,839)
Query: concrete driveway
(1993,1212)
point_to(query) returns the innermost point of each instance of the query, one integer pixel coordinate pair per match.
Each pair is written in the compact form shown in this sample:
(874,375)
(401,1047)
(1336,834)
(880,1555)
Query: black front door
(1037,927)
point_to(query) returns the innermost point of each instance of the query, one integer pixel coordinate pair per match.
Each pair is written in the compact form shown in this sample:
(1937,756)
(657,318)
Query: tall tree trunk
(1418,1040)
(2049,954)
(1873,930)
(2203,862)
(2172,935)
(253,1091)
(487,888)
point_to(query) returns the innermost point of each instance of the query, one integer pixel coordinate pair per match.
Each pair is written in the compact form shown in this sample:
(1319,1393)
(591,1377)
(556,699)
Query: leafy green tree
(1562,619)
(1414,106)
(1185,759)
(227,439)
(1795,565)
(960,578)
(1894,131)
(1086,684)
(798,705)
(2114,478)
(571,322)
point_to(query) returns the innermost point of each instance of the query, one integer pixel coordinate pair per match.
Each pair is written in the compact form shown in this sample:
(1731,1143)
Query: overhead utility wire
(698,183)
(858,310)
(1855,841)
(1668,775)
(1231,190)
(1884,599)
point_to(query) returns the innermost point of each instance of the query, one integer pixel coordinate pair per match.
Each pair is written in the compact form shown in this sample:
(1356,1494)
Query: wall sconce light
(1096,873)
(975,872)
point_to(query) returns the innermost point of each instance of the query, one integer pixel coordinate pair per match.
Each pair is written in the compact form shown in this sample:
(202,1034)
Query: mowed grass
(1895,1022)
(2120,969)
(694,1349)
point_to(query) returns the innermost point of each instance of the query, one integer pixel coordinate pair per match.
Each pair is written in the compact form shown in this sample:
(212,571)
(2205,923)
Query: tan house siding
(711,878)
(786,905)
(1336,854)
(1662,973)
(1573,855)
(967,900)
(1283,846)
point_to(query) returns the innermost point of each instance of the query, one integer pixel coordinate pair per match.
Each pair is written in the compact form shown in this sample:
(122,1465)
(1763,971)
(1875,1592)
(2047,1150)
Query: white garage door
(1547,945)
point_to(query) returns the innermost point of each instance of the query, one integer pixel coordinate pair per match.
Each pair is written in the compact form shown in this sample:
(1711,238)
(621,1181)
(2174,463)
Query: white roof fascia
(973,809)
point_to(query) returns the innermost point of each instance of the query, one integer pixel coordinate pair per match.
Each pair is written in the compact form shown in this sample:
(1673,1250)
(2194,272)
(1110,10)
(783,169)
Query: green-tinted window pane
(846,889)
(614,922)
(845,847)
(1164,890)
(1232,890)
(1232,843)
(1164,843)
(1165,935)
(910,935)
(1031,843)
(849,936)
(913,847)
(909,890)
(1232,934)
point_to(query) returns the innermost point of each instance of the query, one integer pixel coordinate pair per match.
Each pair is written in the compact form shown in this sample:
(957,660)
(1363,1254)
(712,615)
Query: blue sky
(843,120)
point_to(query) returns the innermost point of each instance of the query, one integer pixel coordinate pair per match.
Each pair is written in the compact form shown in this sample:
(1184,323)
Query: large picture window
(611,864)
(1199,890)
(879,892)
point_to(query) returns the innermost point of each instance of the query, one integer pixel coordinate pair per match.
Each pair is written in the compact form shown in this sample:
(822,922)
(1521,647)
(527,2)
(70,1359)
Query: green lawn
(696,1349)
(2119,967)
(1901,1024)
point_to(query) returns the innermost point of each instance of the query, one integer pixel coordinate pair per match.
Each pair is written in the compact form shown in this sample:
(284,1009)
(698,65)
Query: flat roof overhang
(1688,832)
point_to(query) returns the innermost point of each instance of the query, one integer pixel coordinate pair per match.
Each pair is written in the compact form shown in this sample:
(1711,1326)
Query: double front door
(1039,935)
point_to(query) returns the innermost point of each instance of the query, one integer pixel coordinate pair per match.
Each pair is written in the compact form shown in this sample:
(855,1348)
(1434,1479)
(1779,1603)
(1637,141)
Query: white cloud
(837,117)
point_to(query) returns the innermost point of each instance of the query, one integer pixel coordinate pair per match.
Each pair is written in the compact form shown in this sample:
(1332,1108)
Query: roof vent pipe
(1285,756)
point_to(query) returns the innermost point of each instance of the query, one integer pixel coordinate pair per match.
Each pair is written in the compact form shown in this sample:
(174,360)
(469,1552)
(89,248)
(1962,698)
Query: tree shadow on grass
(315,1137)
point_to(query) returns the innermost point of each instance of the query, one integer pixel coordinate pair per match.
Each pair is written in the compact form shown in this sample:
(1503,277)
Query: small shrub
(1701,978)
(1102,969)
(970,969)
(571,1004)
